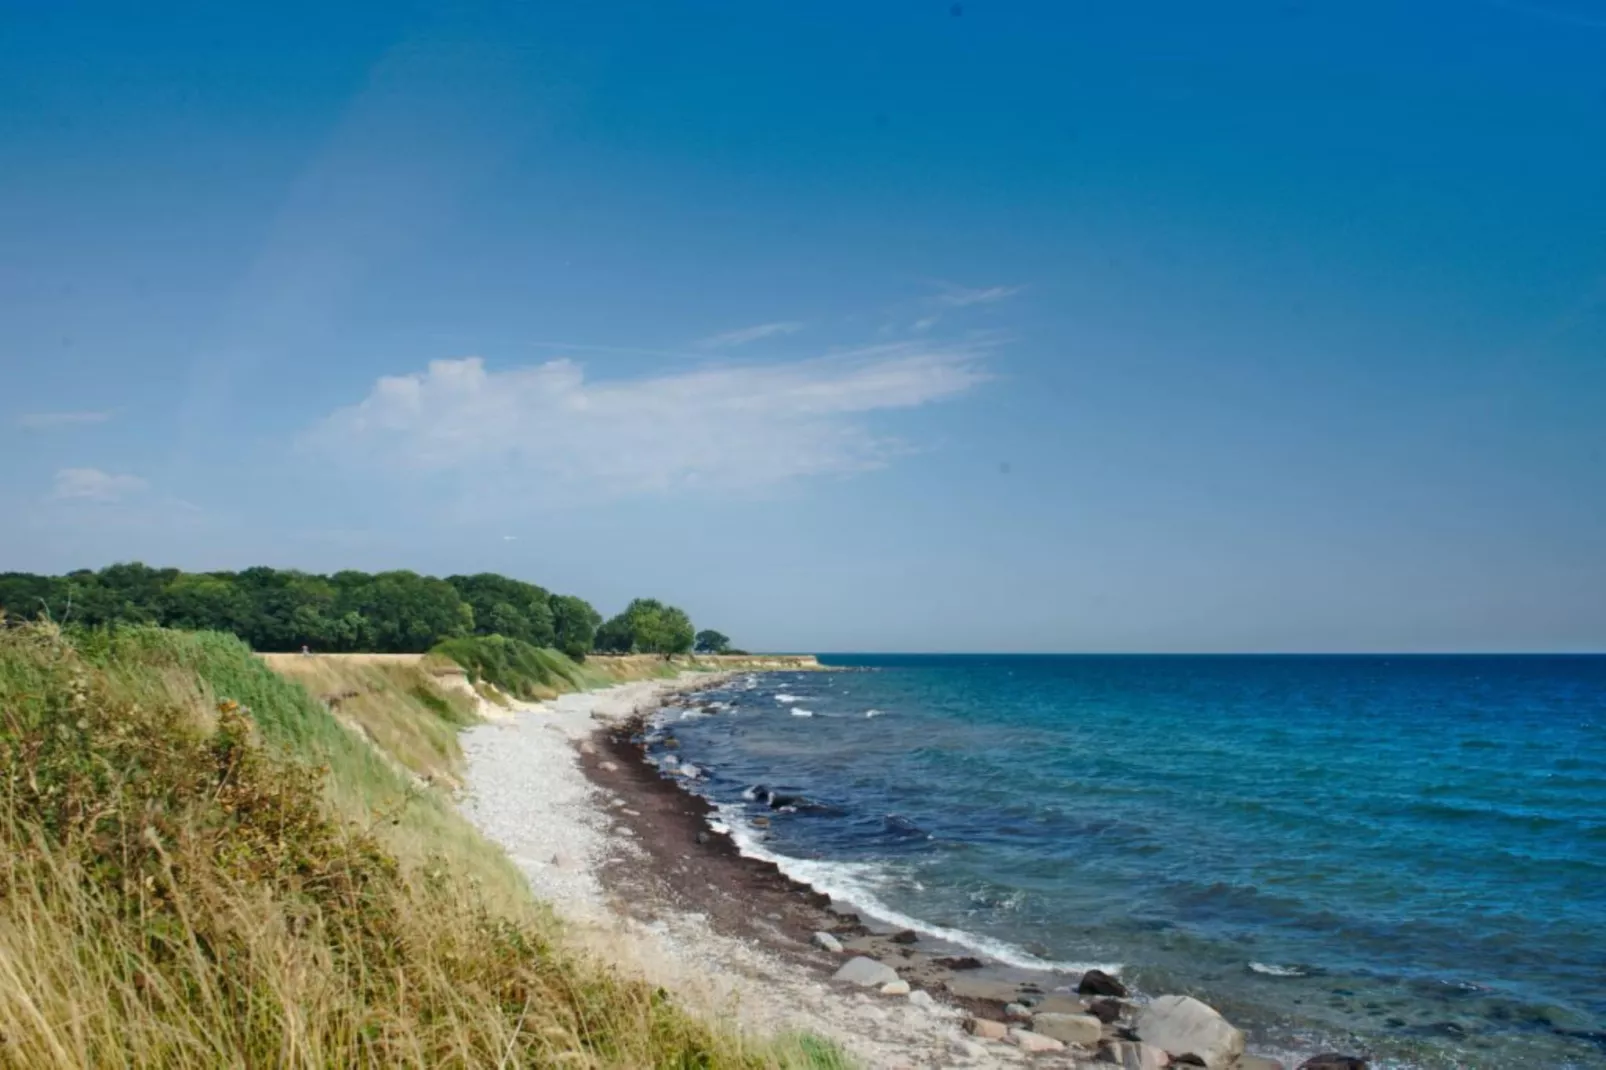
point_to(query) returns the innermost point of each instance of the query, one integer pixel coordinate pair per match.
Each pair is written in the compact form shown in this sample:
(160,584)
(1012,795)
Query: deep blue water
(1403,854)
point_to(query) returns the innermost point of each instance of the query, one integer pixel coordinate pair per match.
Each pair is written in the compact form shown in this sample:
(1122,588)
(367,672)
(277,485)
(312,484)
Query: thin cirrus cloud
(43,421)
(965,296)
(719,427)
(94,485)
(744,335)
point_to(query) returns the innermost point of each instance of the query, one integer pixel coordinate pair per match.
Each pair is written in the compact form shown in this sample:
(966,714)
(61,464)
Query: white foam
(802,713)
(855,883)
(1273,970)
(783,697)
(872,713)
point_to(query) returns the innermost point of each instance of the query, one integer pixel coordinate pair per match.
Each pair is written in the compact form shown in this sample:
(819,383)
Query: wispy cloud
(720,427)
(40,421)
(94,485)
(965,296)
(744,335)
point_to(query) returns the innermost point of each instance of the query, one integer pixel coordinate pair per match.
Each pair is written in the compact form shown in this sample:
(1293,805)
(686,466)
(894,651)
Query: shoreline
(662,892)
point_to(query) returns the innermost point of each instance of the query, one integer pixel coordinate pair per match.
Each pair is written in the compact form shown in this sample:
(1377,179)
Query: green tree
(648,626)
(711,642)
(408,613)
(504,606)
(574,624)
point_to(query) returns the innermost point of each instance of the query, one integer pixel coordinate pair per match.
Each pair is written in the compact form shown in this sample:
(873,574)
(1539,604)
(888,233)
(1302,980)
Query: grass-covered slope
(201,867)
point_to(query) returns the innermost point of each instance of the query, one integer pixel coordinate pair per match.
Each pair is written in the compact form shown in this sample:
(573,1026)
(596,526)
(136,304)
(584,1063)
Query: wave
(802,713)
(854,883)
(783,697)
(1273,970)
(872,713)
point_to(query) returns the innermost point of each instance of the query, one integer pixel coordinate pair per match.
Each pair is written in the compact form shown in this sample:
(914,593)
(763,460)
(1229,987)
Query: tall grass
(517,667)
(200,867)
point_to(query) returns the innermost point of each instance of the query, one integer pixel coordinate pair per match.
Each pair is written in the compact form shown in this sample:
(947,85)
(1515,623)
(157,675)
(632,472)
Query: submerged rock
(1018,1012)
(1183,1024)
(905,936)
(1333,1061)
(866,973)
(1256,1062)
(921,998)
(1099,983)
(1083,1029)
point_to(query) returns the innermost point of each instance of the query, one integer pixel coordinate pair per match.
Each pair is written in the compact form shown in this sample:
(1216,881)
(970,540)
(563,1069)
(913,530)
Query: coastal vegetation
(348,611)
(205,863)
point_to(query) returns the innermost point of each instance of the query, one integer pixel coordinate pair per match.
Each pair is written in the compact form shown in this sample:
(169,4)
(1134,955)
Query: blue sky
(893,326)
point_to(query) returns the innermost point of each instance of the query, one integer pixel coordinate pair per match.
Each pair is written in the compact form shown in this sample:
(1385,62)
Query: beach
(648,881)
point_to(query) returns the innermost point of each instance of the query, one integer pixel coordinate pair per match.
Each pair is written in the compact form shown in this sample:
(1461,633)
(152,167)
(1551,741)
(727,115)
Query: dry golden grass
(200,868)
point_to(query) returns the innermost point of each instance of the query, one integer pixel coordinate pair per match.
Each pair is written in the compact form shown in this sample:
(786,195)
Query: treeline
(385,612)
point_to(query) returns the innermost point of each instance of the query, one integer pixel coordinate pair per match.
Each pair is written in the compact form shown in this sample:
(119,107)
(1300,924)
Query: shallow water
(1405,855)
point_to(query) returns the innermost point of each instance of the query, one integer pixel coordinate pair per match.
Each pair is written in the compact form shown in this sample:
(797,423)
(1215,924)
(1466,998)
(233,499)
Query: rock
(1017,1012)
(1028,1041)
(1256,1062)
(761,822)
(608,767)
(1333,1061)
(986,1028)
(1188,1058)
(1083,1029)
(905,936)
(968,1049)
(1105,1010)
(827,942)
(703,837)
(895,988)
(921,998)
(1129,1055)
(587,747)
(1099,983)
(1183,1024)
(866,973)
(961,962)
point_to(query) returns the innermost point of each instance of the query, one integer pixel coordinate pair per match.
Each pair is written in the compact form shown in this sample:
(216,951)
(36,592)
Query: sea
(1399,856)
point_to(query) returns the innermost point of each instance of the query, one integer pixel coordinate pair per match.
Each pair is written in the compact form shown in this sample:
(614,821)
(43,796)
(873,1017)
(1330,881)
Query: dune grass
(201,867)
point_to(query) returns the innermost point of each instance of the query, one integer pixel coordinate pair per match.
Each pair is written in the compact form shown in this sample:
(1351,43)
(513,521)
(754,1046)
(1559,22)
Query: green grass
(200,866)
(517,667)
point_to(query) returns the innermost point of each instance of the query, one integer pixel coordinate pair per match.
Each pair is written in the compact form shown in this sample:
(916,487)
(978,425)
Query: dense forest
(387,612)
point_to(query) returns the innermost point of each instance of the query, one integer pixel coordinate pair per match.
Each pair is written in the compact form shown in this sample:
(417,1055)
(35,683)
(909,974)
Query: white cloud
(91,484)
(741,337)
(38,421)
(719,427)
(964,296)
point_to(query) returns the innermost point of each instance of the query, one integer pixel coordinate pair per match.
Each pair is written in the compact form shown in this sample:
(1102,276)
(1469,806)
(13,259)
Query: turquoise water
(1405,855)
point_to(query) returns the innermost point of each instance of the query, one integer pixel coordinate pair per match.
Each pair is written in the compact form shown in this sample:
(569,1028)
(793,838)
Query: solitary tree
(712,642)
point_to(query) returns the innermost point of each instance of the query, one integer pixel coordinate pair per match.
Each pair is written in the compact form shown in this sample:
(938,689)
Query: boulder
(1183,1024)
(1333,1061)
(866,973)
(1017,1012)
(1083,1029)
(1188,1058)
(986,1029)
(967,1049)
(1099,983)
(905,936)
(895,988)
(921,998)
(827,942)
(1107,1011)
(1129,1055)
(1028,1041)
